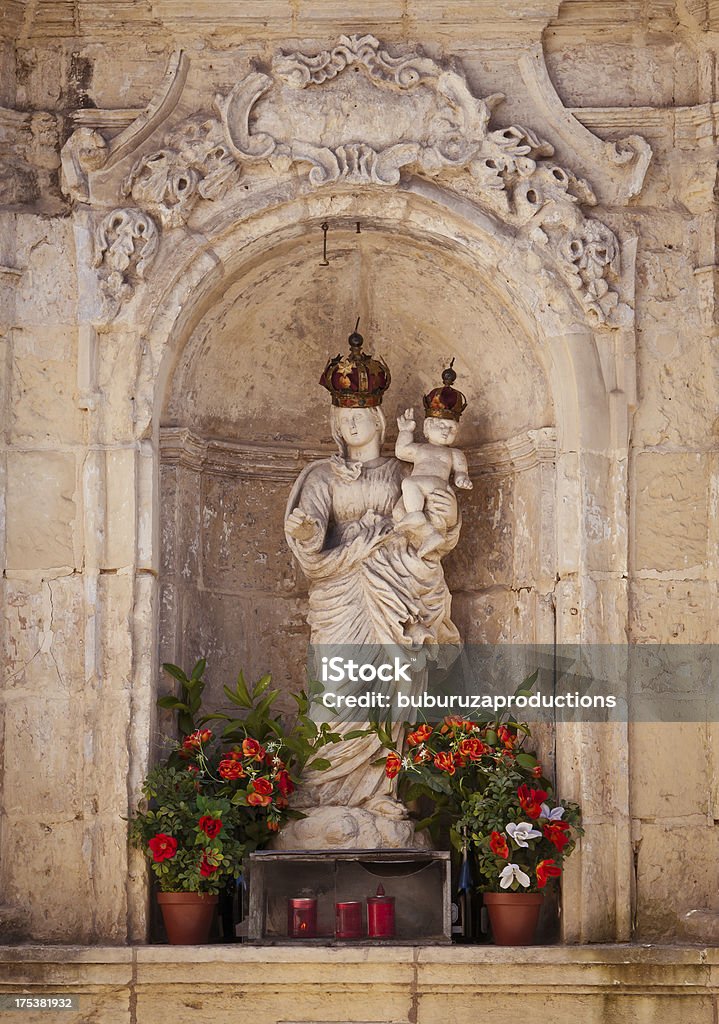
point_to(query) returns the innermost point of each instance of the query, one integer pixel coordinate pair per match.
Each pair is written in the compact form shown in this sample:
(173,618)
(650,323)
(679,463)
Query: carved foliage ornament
(358,115)
(195,163)
(125,245)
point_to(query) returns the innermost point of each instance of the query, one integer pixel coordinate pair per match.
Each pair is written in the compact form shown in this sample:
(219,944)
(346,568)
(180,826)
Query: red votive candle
(348,920)
(380,915)
(302,918)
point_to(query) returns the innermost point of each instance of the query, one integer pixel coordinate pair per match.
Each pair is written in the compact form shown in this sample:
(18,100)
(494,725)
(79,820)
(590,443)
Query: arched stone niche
(243,413)
(528,292)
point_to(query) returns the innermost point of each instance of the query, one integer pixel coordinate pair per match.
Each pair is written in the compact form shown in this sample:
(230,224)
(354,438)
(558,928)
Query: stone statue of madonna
(367,587)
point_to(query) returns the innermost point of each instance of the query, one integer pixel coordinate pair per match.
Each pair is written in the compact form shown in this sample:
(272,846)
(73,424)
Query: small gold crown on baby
(445,403)
(357,380)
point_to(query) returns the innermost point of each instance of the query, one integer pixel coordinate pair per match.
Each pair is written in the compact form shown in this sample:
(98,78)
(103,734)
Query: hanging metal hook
(325,262)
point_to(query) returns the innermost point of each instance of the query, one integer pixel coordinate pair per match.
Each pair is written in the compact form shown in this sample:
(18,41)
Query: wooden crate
(419,880)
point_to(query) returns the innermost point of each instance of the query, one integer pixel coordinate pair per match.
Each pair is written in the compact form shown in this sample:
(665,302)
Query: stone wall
(142,359)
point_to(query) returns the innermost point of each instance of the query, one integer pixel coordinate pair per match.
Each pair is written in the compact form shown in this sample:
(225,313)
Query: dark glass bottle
(462,903)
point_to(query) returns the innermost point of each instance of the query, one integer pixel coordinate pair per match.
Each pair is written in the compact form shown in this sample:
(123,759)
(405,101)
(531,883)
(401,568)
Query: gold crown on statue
(445,403)
(357,380)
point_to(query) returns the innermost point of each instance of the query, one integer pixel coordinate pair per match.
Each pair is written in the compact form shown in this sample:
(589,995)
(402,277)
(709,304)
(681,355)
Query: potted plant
(520,836)
(214,799)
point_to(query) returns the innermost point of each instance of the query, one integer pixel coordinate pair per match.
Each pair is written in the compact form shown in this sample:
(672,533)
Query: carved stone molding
(182,447)
(358,115)
(621,165)
(125,245)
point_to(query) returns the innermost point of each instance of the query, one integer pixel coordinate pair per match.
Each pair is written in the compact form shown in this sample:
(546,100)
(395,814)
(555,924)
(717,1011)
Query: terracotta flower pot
(187,916)
(513,916)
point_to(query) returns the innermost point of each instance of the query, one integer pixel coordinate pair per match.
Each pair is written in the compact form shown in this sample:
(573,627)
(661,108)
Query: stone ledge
(309,985)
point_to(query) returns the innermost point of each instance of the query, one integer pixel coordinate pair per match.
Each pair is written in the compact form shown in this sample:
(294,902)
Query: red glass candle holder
(348,920)
(302,918)
(380,915)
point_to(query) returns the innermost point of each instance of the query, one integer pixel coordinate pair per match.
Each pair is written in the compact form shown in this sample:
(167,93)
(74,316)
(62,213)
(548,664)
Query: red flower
(420,735)
(498,845)
(251,748)
(547,869)
(234,755)
(230,769)
(421,755)
(282,802)
(207,869)
(195,740)
(505,736)
(273,826)
(285,783)
(163,847)
(392,765)
(210,826)
(531,800)
(444,762)
(460,762)
(262,786)
(556,833)
(258,800)
(537,771)
(472,748)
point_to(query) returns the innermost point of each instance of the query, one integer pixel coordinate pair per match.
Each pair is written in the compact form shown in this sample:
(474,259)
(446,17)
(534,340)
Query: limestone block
(670,511)
(243,542)
(170,509)
(257,633)
(168,637)
(674,863)
(603,527)
(121,508)
(53,885)
(115,603)
(43,396)
(659,787)
(492,617)
(118,354)
(672,612)
(43,758)
(41,510)
(105,854)
(64,639)
(677,406)
(104,727)
(484,556)
(46,292)
(190,524)
(534,528)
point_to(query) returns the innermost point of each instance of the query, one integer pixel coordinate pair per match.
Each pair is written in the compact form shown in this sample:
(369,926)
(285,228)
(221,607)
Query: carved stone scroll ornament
(195,163)
(125,245)
(367,115)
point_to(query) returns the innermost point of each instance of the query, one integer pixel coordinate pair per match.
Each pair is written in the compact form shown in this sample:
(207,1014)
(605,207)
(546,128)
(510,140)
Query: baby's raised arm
(405,448)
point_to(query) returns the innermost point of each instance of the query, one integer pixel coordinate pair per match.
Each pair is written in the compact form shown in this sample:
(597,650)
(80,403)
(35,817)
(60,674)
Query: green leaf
(199,670)
(176,672)
(320,764)
(172,703)
(526,760)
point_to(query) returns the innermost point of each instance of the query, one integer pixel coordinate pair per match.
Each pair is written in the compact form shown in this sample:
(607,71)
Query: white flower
(511,871)
(552,813)
(521,832)
(406,762)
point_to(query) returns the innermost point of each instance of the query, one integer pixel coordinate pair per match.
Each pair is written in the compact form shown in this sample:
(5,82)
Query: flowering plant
(451,761)
(519,833)
(190,834)
(216,799)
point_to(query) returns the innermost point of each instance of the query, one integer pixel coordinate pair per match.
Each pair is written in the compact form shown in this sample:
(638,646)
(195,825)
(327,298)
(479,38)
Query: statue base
(336,827)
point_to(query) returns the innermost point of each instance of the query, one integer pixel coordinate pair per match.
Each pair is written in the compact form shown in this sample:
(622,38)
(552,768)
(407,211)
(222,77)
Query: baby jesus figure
(434,463)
